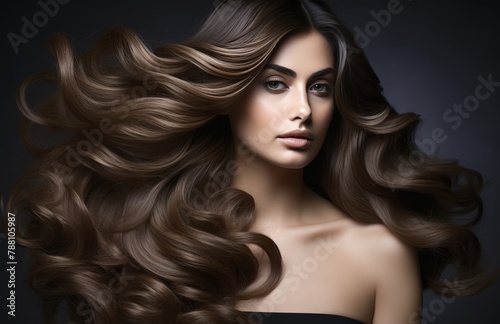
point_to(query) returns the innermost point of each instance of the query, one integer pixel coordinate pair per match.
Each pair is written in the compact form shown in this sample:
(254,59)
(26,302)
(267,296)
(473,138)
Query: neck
(278,192)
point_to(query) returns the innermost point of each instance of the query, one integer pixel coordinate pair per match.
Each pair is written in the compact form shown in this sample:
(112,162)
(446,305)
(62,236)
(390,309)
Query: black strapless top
(300,318)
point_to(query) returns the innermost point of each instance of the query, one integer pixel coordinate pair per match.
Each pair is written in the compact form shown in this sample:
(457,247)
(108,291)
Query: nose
(300,107)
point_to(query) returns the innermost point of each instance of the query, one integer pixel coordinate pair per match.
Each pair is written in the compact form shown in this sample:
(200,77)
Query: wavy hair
(127,208)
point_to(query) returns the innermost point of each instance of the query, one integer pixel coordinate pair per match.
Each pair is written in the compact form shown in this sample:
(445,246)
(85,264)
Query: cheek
(258,112)
(324,116)
(254,118)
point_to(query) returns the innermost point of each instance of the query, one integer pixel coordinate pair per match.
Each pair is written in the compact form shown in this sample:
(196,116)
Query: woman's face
(286,115)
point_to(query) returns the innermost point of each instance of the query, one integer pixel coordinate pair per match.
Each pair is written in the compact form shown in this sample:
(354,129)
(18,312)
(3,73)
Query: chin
(292,163)
(287,158)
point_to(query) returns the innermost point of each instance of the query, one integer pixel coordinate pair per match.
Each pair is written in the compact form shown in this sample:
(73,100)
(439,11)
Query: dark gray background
(429,57)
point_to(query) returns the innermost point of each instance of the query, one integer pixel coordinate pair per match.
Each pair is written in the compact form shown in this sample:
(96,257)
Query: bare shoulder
(377,246)
(377,238)
(372,248)
(374,244)
(363,270)
(391,267)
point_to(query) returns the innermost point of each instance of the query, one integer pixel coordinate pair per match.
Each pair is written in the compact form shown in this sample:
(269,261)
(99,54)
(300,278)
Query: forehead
(304,52)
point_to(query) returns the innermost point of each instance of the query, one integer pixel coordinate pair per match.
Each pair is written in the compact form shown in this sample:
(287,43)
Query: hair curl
(118,223)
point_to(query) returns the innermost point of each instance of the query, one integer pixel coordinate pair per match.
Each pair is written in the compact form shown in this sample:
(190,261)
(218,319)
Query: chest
(320,275)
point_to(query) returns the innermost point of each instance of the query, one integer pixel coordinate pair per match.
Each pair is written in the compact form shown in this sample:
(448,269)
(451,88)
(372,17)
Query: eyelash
(281,82)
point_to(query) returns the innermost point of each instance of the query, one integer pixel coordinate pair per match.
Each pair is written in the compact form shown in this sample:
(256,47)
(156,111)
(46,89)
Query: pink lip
(297,138)
(298,133)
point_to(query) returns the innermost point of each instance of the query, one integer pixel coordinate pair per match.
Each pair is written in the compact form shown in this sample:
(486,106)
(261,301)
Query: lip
(297,138)
(298,133)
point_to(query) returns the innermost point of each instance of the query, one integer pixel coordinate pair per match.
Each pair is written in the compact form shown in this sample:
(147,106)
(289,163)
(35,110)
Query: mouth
(297,138)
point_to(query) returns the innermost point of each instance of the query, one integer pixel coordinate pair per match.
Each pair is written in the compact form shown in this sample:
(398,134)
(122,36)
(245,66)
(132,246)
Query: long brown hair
(128,211)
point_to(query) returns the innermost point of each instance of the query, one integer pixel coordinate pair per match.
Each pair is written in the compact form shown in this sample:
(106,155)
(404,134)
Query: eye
(275,85)
(323,88)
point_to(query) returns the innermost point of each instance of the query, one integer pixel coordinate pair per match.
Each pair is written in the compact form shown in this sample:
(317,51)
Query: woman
(252,171)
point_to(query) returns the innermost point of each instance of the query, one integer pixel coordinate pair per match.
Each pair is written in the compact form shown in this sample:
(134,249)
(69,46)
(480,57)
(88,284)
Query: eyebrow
(293,74)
